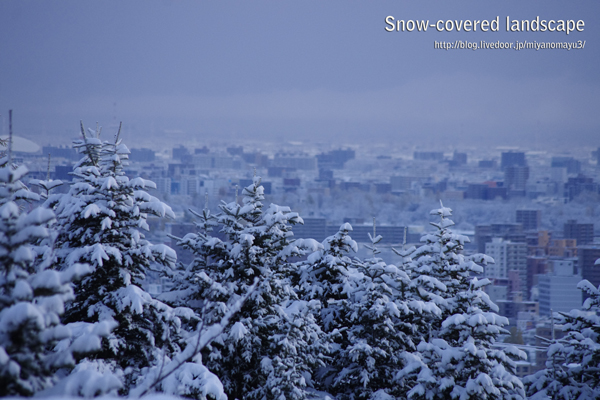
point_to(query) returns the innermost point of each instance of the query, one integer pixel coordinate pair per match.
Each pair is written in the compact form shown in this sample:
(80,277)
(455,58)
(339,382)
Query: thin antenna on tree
(10,137)
(404,241)
(236,194)
(48,171)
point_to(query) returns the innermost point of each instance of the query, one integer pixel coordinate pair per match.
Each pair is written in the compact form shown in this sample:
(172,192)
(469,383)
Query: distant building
(235,150)
(319,229)
(580,184)
(507,256)
(485,191)
(572,165)
(61,152)
(190,186)
(515,177)
(350,186)
(181,153)
(558,289)
(530,219)
(511,308)
(402,183)
(335,159)
(458,159)
(63,172)
(291,184)
(295,161)
(583,233)
(428,155)
(485,233)
(141,155)
(325,174)
(487,164)
(382,188)
(513,159)
(562,248)
(163,185)
(536,265)
(586,258)
(313,228)
(524,368)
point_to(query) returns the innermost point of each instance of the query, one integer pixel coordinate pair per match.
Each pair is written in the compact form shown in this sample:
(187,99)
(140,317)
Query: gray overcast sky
(296,70)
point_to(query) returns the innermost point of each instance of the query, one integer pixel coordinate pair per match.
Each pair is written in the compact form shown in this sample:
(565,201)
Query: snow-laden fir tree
(380,332)
(194,284)
(273,343)
(573,367)
(31,295)
(326,276)
(456,354)
(99,222)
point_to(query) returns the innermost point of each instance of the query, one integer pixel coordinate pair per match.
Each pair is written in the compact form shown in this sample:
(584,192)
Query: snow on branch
(202,338)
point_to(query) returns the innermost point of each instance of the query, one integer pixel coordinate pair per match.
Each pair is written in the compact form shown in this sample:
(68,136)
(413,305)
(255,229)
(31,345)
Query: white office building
(507,256)
(558,289)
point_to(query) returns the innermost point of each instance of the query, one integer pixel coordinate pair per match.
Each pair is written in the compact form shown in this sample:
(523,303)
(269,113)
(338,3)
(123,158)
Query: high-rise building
(558,289)
(572,165)
(515,177)
(583,233)
(508,256)
(485,233)
(530,219)
(578,185)
(513,159)
(587,256)
(536,265)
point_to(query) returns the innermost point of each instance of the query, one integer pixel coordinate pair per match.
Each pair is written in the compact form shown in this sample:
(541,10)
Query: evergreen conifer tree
(326,276)
(572,370)
(380,332)
(31,295)
(458,360)
(273,343)
(99,223)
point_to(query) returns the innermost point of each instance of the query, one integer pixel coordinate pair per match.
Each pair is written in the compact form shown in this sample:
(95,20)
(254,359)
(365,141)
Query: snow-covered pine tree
(572,370)
(31,295)
(326,277)
(194,284)
(273,343)
(379,332)
(99,223)
(456,352)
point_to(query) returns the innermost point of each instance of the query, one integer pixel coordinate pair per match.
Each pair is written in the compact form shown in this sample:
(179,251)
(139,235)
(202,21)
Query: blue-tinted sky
(296,70)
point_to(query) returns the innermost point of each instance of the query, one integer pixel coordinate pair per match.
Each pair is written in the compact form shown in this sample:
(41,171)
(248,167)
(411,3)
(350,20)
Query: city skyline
(296,72)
